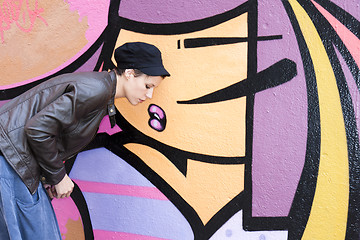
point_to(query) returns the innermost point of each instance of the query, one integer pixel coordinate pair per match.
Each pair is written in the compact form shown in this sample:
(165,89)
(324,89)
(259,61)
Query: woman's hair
(137,72)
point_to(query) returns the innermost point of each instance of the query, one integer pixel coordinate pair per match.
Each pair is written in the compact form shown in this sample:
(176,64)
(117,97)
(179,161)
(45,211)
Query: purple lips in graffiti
(157,119)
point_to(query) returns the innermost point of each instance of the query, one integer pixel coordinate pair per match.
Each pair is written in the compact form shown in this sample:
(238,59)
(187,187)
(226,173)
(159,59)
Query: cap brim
(155,71)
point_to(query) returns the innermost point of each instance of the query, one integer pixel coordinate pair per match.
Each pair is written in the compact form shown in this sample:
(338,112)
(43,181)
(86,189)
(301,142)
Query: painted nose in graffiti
(277,74)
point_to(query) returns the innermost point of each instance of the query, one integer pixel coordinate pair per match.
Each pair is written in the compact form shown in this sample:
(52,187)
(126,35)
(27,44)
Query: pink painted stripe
(118,189)
(351,42)
(101,234)
(106,127)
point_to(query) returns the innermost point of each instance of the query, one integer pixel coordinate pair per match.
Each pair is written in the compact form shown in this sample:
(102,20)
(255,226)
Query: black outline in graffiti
(299,213)
(215,41)
(275,75)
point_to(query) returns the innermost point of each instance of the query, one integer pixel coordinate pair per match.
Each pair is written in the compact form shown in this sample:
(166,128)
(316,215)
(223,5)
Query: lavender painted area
(280,119)
(149,217)
(231,230)
(173,11)
(101,165)
(350,6)
(90,64)
(146,217)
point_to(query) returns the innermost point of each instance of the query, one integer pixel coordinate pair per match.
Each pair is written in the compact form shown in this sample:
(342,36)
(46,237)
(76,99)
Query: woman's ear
(128,73)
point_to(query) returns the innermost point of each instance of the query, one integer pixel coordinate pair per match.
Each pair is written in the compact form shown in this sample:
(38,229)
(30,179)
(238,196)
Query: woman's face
(139,88)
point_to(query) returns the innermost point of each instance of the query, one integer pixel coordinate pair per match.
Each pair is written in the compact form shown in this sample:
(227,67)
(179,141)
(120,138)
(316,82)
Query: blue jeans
(23,215)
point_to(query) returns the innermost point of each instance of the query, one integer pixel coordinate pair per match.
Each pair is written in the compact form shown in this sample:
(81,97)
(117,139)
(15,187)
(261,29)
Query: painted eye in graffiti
(277,74)
(213,41)
(157,119)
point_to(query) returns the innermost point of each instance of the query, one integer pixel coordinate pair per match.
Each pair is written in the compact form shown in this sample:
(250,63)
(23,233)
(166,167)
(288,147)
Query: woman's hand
(64,188)
(50,190)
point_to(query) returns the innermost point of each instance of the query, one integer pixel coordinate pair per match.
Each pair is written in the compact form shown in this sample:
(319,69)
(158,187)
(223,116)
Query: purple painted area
(350,6)
(91,62)
(280,119)
(353,89)
(173,11)
(137,216)
(101,165)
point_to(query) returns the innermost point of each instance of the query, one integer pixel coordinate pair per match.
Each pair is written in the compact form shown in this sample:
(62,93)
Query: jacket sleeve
(44,129)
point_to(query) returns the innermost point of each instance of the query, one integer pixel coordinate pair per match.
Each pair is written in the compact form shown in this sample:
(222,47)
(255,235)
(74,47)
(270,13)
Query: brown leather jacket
(46,125)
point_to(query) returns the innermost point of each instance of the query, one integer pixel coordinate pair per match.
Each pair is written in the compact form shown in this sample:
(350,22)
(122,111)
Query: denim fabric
(22,215)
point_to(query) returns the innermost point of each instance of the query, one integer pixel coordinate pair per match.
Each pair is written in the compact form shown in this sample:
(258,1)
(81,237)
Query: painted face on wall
(197,71)
(214,129)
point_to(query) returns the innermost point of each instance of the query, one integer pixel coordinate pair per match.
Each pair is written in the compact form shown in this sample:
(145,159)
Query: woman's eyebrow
(277,74)
(213,41)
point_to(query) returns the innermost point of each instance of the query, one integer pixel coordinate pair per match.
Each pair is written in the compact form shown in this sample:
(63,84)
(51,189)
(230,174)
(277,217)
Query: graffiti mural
(254,135)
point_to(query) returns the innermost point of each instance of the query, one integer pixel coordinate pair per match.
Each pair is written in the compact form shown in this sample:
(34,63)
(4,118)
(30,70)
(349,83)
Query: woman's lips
(157,119)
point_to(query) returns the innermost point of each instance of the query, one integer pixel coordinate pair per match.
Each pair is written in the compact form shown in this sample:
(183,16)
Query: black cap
(142,56)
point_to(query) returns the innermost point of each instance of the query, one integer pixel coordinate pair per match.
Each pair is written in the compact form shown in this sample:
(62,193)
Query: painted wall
(254,135)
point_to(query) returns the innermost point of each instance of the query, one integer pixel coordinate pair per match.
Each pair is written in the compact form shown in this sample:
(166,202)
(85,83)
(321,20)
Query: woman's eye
(147,86)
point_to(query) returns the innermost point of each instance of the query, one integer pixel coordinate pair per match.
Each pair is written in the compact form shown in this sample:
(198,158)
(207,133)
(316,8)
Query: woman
(51,122)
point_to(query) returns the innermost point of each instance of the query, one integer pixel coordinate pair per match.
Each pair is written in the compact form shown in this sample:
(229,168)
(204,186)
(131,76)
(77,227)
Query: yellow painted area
(214,129)
(206,188)
(328,216)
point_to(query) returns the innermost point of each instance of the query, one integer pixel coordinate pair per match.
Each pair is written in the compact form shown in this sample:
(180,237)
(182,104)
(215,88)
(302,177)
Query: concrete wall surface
(254,136)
